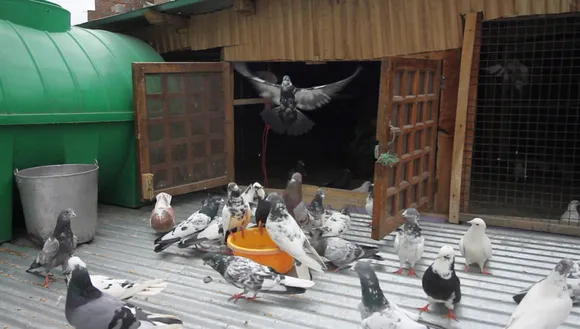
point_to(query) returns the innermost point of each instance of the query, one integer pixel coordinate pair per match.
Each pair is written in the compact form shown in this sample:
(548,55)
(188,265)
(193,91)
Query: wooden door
(184,126)
(408,106)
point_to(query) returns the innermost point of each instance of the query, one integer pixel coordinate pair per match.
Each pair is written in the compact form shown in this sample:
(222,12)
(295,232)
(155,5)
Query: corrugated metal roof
(123,249)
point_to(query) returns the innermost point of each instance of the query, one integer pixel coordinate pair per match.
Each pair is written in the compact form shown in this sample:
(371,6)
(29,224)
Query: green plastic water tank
(65,97)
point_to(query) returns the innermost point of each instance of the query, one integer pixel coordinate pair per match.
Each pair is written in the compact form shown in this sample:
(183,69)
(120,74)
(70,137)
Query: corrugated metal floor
(123,249)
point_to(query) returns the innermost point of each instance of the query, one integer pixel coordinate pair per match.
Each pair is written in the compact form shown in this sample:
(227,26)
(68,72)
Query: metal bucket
(45,191)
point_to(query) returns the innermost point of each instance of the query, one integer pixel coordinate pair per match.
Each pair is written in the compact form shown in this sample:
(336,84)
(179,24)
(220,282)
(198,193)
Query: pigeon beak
(470,221)
(73,214)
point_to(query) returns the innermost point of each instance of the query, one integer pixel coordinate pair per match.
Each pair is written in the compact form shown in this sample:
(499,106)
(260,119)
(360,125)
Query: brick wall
(104,8)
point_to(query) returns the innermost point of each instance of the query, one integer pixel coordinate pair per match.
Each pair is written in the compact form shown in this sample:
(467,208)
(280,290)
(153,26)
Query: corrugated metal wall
(297,30)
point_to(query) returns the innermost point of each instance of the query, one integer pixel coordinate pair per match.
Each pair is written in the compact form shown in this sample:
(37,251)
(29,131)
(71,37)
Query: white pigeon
(409,243)
(573,280)
(376,311)
(236,213)
(337,223)
(364,188)
(125,289)
(571,216)
(369,201)
(547,304)
(475,246)
(249,195)
(288,236)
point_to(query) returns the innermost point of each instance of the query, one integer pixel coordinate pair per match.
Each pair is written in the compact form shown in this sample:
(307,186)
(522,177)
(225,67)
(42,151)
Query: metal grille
(524,160)
(185,120)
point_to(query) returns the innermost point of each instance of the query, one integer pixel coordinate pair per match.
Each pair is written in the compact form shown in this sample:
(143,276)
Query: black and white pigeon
(376,311)
(89,308)
(548,304)
(337,223)
(192,226)
(316,209)
(339,252)
(262,209)
(573,280)
(123,288)
(409,242)
(249,195)
(288,236)
(369,201)
(58,248)
(286,117)
(440,282)
(236,212)
(475,245)
(246,274)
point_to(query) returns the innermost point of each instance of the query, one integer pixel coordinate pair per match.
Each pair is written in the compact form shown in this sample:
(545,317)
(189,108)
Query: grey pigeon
(246,274)
(293,194)
(124,288)
(288,236)
(573,280)
(364,188)
(339,252)
(236,213)
(547,305)
(59,246)
(409,243)
(316,209)
(89,308)
(475,246)
(376,311)
(337,223)
(192,226)
(286,116)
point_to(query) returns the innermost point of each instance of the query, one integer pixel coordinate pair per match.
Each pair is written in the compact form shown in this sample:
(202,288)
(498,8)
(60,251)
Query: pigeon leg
(411,272)
(253,297)
(483,271)
(237,296)
(424,309)
(450,315)
(46,280)
(260,228)
(399,271)
(242,230)
(466,268)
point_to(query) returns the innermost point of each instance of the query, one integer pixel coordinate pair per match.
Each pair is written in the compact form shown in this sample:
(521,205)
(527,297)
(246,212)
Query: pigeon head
(278,207)
(320,193)
(444,262)
(573,205)
(211,206)
(234,190)
(564,266)
(345,210)
(80,288)
(218,262)
(63,221)
(411,215)
(477,224)
(297,177)
(231,187)
(373,298)
(74,263)
(286,81)
(260,191)
(371,188)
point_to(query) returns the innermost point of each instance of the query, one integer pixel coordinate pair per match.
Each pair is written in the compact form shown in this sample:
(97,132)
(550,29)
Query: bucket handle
(16,175)
(96,163)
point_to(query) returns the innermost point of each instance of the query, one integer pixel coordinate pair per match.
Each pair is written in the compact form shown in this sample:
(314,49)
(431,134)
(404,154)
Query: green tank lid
(37,14)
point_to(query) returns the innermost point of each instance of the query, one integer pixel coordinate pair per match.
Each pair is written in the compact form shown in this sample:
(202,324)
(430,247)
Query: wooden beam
(247,7)
(461,115)
(248,101)
(157,18)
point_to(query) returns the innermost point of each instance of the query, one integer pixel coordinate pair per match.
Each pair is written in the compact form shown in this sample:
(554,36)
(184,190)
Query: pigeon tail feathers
(301,126)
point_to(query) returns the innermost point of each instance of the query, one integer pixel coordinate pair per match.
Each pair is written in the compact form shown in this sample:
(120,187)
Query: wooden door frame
(139,71)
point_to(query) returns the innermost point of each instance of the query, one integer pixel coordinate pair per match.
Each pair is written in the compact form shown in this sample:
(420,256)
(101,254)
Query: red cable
(265,147)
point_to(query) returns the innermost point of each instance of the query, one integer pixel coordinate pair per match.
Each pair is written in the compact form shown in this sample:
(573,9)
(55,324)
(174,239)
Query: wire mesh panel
(184,128)
(409,103)
(524,158)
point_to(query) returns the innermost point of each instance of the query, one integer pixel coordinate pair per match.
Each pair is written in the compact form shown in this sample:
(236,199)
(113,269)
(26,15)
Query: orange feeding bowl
(261,249)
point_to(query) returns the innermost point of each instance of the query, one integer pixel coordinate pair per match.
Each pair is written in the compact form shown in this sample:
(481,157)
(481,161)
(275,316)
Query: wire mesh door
(405,169)
(184,126)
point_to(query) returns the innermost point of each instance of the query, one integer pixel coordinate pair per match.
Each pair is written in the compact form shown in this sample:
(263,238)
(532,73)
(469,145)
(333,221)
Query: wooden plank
(228,80)
(248,101)
(335,198)
(524,224)
(461,115)
(247,7)
(141,127)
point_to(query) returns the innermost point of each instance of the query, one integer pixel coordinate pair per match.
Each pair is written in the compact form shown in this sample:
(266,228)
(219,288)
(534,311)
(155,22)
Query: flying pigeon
(288,236)
(123,288)
(475,246)
(341,182)
(547,304)
(379,313)
(571,215)
(409,243)
(262,210)
(236,212)
(337,223)
(163,216)
(246,274)
(339,252)
(192,226)
(286,117)
(364,187)
(89,308)
(440,282)
(58,248)
(573,280)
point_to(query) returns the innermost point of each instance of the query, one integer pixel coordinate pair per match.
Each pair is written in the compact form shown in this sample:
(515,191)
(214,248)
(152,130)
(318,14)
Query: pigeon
(337,223)
(379,313)
(288,236)
(300,168)
(573,280)
(262,210)
(286,117)
(342,182)
(369,202)
(547,304)
(58,248)
(316,209)
(440,282)
(249,195)
(236,213)
(364,188)
(123,288)
(571,216)
(293,194)
(162,217)
(475,246)
(339,252)
(246,274)
(192,226)
(409,242)
(89,308)
(213,235)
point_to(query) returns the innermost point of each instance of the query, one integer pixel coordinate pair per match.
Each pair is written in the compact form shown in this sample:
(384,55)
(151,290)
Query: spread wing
(265,89)
(312,98)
